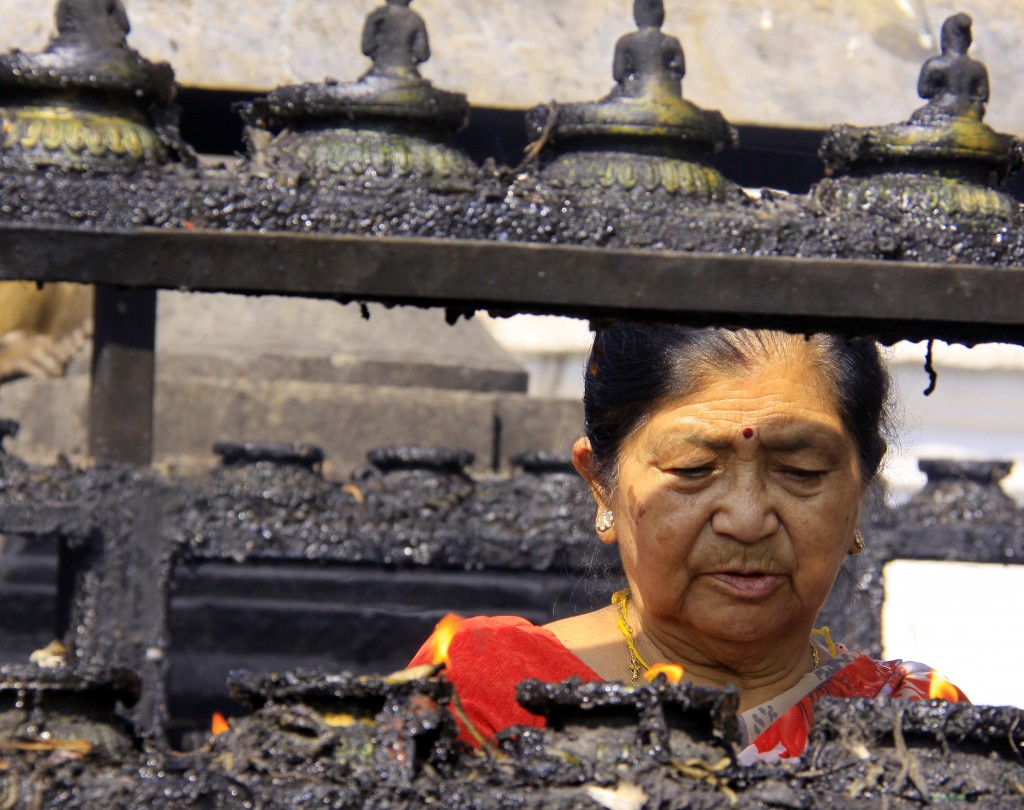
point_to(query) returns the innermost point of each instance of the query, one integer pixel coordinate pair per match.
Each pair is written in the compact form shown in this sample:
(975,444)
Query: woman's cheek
(637,508)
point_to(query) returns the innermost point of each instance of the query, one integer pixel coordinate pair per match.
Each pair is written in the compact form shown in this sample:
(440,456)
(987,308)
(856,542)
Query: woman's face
(735,506)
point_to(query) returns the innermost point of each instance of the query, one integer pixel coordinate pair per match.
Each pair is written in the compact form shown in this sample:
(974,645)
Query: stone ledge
(345,420)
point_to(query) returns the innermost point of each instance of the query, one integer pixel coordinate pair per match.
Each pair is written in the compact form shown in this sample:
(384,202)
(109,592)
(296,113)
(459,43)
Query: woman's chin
(744,624)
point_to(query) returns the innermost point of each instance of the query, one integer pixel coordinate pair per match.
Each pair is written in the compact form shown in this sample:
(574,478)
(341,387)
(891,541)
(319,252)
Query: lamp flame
(218,725)
(443,635)
(941,689)
(673,672)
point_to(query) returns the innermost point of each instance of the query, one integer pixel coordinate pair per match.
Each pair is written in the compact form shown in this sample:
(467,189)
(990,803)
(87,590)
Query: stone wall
(777,62)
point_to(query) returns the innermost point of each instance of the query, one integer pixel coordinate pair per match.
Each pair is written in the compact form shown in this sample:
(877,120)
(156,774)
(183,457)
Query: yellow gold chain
(636,661)
(621,600)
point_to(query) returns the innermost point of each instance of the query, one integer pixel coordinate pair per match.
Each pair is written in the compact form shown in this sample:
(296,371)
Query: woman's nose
(745,511)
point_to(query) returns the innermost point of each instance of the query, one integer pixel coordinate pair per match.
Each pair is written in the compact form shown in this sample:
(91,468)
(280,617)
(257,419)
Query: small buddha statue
(93,23)
(955,85)
(648,61)
(395,38)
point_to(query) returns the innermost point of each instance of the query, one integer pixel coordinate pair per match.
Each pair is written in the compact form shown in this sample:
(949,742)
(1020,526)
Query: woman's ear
(583,461)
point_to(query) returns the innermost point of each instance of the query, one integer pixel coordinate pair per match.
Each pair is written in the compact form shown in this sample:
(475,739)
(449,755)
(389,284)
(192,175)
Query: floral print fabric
(778,730)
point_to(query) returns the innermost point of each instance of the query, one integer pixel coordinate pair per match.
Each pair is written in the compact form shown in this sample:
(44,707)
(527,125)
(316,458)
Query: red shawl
(489,656)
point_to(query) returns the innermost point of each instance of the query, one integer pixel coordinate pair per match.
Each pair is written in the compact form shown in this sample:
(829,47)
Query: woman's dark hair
(634,369)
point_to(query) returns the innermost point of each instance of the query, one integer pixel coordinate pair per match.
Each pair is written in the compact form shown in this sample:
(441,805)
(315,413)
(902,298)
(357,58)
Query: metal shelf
(885,299)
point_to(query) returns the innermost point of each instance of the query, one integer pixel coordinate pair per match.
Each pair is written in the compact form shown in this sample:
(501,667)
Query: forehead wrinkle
(783,352)
(714,414)
(733,397)
(780,431)
(741,405)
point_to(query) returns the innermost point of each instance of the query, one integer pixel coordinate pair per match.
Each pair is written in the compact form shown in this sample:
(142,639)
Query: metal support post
(123,375)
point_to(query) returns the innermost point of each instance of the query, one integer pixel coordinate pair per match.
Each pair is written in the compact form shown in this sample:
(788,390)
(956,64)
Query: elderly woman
(729,467)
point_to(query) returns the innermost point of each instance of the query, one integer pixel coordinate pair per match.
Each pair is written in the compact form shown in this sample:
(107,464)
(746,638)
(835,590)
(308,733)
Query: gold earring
(858,541)
(605,520)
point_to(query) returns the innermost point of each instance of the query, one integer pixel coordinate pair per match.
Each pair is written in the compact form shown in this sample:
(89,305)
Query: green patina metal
(919,193)
(644,134)
(88,102)
(42,135)
(354,152)
(943,161)
(386,128)
(608,169)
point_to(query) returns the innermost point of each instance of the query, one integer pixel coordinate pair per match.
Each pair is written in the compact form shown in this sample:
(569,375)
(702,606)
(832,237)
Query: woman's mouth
(750,585)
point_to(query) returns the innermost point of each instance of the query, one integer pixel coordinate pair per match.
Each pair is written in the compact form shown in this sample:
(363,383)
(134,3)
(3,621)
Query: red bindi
(748,433)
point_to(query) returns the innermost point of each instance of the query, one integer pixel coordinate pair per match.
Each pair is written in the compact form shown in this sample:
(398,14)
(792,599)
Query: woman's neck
(759,674)
(758,671)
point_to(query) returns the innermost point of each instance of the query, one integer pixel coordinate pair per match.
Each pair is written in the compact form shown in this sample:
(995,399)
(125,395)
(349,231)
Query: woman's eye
(802,475)
(693,472)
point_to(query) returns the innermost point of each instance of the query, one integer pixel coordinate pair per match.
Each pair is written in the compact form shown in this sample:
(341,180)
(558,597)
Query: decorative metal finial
(648,61)
(395,38)
(643,133)
(93,23)
(385,128)
(943,160)
(954,84)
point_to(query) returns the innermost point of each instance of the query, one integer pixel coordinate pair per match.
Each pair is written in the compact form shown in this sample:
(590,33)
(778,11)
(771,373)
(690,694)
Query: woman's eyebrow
(803,438)
(706,442)
(711,442)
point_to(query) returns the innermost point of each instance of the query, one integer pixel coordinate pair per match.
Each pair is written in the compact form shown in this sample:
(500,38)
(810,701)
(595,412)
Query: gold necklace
(621,600)
(636,661)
